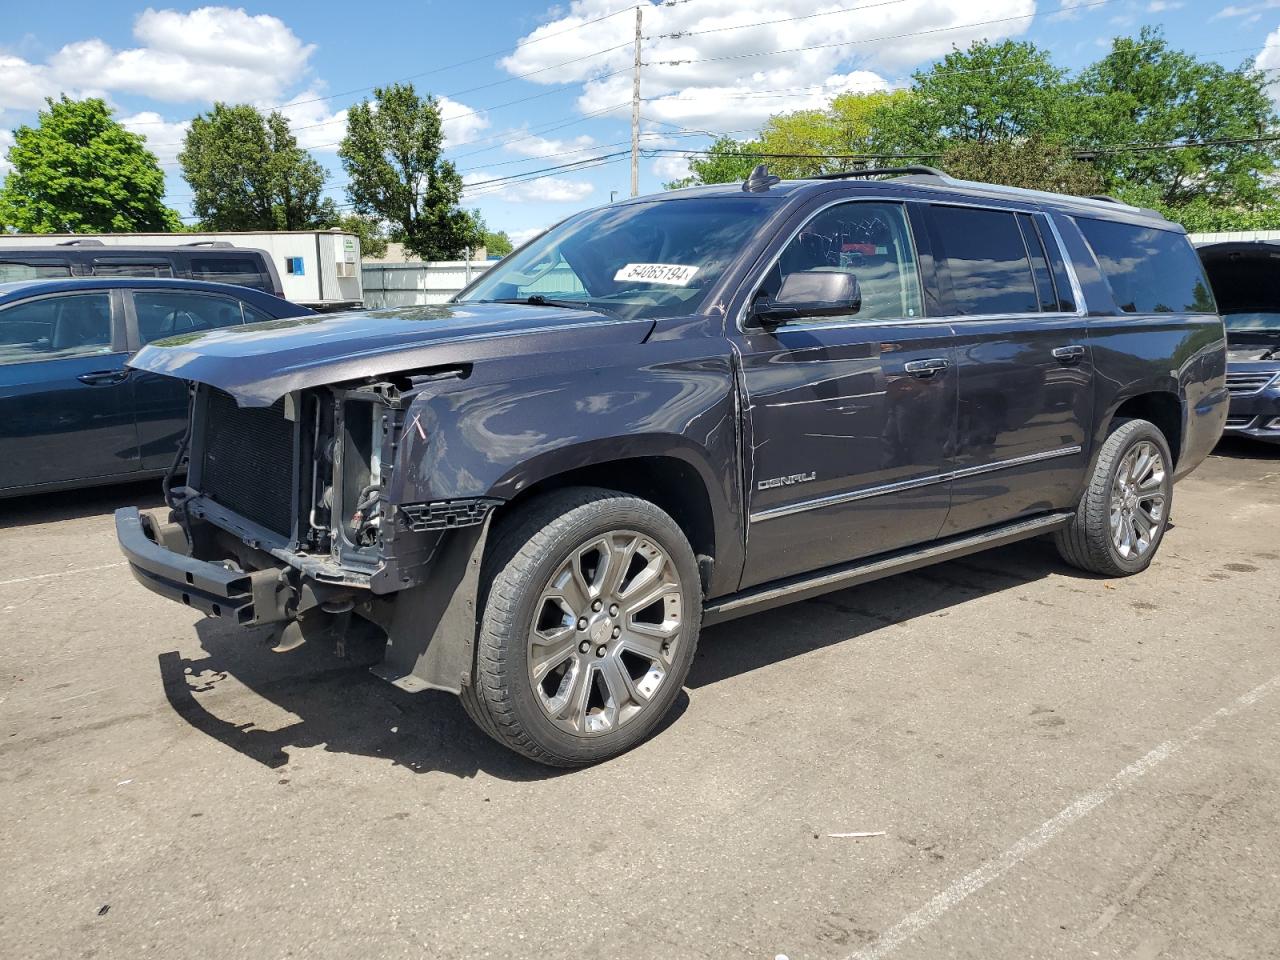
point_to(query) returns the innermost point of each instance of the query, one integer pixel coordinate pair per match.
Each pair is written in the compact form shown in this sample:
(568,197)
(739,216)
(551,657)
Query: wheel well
(667,482)
(1163,410)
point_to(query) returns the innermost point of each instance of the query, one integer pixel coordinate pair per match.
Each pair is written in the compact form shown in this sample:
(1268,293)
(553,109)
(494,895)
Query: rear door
(161,402)
(849,420)
(66,408)
(1024,364)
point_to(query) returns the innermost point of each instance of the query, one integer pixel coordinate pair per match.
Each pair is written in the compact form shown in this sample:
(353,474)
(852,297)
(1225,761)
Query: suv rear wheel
(589,627)
(1122,516)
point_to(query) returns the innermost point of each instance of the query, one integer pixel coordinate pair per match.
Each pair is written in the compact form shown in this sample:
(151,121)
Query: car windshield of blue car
(634,260)
(1253,322)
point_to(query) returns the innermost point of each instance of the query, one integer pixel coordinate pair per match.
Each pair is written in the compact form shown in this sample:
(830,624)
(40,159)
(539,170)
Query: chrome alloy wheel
(604,633)
(1138,497)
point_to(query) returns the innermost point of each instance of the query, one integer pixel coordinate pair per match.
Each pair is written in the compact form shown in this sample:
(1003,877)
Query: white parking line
(920,919)
(63,573)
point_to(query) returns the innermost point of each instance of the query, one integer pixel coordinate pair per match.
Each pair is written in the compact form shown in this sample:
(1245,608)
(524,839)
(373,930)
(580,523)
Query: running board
(770,595)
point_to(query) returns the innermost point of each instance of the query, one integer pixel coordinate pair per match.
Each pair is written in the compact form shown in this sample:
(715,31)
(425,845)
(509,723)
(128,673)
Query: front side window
(654,259)
(13,270)
(871,241)
(54,328)
(985,254)
(242,271)
(168,314)
(1149,270)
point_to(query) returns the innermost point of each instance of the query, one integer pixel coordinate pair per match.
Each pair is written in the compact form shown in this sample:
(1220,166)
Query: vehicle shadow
(1242,448)
(339,705)
(37,508)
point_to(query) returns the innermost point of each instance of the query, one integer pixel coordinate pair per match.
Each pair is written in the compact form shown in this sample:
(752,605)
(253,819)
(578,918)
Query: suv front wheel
(1121,519)
(589,627)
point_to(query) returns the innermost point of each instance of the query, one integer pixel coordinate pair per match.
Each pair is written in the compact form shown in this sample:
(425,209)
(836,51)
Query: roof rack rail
(1108,199)
(884,171)
(86,242)
(207,243)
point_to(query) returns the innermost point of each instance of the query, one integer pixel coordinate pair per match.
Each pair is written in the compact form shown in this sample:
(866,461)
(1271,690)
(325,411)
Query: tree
(80,171)
(1029,163)
(248,173)
(391,154)
(373,238)
(497,243)
(725,161)
(839,137)
(988,93)
(1143,93)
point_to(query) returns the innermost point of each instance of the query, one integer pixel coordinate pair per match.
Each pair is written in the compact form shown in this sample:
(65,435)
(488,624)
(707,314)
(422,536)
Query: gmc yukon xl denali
(681,409)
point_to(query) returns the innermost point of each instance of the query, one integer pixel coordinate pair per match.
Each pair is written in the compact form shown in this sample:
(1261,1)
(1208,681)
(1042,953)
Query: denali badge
(787,481)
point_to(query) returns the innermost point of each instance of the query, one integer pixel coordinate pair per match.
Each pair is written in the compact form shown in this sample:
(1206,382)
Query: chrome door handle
(924,369)
(1068,354)
(104,378)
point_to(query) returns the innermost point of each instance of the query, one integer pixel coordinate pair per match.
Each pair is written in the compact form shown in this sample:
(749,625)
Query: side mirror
(812,293)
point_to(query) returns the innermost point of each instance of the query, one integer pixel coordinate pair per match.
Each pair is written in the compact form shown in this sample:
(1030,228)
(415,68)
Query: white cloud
(313,123)
(544,190)
(6,141)
(459,122)
(531,145)
(717,72)
(1250,10)
(1269,59)
(164,139)
(1163,6)
(520,237)
(206,54)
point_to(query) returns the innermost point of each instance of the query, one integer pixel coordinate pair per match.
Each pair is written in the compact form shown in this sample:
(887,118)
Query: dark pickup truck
(681,409)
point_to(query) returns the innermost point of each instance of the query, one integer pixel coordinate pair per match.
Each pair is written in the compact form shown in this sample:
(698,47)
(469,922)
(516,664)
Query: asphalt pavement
(1048,765)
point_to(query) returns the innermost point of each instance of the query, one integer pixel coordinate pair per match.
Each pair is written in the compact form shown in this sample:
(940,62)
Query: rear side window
(1149,270)
(242,271)
(54,328)
(165,314)
(131,268)
(990,270)
(10,270)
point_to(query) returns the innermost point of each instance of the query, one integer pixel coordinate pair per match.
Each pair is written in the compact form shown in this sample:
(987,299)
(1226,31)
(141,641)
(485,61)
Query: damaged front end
(283,519)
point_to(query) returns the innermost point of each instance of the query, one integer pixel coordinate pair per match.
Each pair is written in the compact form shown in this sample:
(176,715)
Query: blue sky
(527,86)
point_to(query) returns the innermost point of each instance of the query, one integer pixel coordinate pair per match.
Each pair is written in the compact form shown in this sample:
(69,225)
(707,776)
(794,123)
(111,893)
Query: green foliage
(391,154)
(989,93)
(845,130)
(497,243)
(1031,163)
(79,171)
(727,160)
(373,238)
(1142,92)
(247,172)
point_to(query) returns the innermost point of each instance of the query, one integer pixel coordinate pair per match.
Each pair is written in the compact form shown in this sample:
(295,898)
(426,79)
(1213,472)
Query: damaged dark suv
(681,409)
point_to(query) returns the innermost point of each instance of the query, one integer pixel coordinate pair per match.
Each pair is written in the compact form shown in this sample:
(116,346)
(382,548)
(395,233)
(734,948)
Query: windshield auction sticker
(672,274)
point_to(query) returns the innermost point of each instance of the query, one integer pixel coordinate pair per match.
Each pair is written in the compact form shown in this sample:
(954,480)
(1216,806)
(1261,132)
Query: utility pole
(635,112)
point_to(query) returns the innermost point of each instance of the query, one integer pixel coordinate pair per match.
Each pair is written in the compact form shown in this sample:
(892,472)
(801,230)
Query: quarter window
(990,270)
(163,314)
(53,328)
(241,271)
(871,241)
(131,268)
(1150,270)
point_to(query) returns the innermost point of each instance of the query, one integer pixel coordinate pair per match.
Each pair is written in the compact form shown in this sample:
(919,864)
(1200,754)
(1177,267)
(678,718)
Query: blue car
(71,413)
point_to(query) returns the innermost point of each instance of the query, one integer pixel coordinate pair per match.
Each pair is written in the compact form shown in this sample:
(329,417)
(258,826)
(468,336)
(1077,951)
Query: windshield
(1253,322)
(656,259)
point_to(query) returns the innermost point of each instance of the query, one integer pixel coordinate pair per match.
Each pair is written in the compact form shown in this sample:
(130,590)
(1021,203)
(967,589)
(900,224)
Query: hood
(260,363)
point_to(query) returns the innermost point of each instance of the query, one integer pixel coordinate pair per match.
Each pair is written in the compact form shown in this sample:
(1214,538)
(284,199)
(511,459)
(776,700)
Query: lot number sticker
(671,274)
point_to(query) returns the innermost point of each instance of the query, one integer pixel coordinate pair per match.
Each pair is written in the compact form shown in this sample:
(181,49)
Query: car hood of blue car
(260,363)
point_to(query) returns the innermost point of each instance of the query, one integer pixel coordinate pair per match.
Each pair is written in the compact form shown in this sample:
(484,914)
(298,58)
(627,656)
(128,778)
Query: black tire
(1087,542)
(527,551)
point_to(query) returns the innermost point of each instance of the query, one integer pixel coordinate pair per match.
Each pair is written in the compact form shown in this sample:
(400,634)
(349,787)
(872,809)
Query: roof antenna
(760,180)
